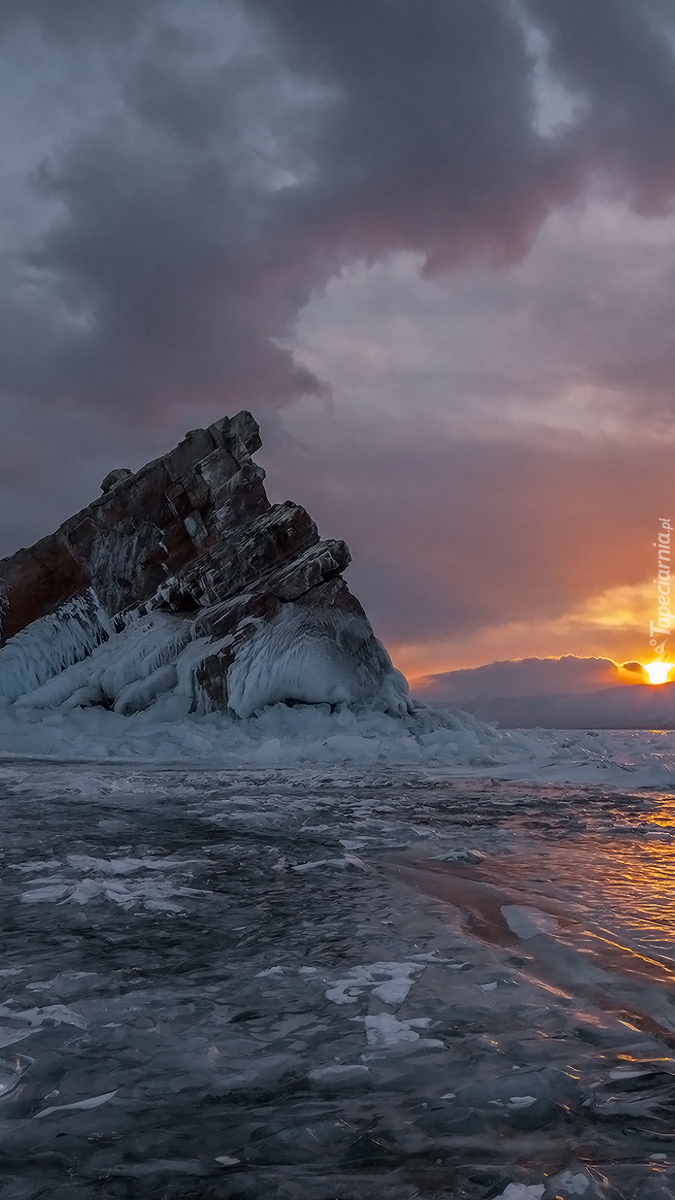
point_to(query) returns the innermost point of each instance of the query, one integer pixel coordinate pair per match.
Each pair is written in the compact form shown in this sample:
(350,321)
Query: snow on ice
(75,688)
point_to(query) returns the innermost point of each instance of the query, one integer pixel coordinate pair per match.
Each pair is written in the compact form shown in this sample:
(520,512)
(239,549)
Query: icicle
(51,644)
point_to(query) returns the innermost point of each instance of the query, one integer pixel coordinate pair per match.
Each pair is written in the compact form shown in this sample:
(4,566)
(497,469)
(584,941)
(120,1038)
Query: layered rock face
(183,578)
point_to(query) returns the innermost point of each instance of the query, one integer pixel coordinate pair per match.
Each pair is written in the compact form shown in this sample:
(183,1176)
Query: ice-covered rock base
(311,656)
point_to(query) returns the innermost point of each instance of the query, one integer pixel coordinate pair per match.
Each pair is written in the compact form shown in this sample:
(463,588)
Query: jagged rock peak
(183,578)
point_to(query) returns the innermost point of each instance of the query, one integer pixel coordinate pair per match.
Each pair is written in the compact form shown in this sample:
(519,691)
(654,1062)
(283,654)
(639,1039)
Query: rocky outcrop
(183,578)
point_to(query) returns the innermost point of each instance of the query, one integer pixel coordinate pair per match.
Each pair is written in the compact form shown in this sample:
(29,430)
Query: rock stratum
(183,578)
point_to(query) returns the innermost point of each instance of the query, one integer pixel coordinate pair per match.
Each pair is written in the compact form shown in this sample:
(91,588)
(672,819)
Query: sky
(429,243)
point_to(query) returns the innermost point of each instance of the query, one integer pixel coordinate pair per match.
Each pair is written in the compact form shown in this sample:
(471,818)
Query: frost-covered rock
(183,578)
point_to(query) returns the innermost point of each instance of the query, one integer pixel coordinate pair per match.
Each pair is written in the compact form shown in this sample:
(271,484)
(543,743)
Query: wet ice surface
(333,984)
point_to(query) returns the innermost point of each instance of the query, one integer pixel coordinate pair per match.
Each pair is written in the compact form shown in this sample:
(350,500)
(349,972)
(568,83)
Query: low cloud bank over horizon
(552,693)
(527,677)
(431,245)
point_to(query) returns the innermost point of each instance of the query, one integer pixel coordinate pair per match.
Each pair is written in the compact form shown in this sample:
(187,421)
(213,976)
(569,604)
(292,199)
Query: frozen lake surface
(334,984)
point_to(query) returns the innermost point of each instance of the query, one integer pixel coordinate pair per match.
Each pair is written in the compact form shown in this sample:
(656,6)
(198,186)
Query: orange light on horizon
(658,672)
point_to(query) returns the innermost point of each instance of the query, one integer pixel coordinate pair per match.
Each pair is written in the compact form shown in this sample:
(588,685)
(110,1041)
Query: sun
(658,672)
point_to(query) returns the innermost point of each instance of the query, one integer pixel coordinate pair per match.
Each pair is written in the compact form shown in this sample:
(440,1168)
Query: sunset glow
(658,672)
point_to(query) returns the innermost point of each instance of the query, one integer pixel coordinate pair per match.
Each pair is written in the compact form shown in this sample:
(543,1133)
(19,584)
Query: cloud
(430,144)
(168,291)
(246,152)
(527,677)
(619,55)
(75,18)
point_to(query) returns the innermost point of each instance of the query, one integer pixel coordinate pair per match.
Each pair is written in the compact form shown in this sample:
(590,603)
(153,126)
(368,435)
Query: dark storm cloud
(431,142)
(529,677)
(67,19)
(164,278)
(168,268)
(197,220)
(618,56)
